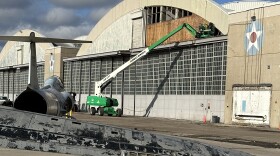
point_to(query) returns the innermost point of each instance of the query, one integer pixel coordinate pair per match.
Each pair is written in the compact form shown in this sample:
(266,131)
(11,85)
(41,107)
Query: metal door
(251,104)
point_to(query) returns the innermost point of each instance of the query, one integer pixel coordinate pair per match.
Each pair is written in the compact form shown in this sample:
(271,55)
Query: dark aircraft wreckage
(51,99)
(36,123)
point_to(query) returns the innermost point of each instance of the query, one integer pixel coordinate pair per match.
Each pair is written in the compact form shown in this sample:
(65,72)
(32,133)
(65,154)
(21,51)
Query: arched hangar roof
(15,53)
(207,9)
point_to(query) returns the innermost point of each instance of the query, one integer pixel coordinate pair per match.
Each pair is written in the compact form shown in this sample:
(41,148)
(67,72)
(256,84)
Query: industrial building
(232,75)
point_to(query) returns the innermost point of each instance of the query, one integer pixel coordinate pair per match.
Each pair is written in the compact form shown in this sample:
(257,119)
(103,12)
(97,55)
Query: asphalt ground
(256,140)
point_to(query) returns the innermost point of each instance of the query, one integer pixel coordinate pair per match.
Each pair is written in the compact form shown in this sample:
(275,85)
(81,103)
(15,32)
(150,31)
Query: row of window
(15,81)
(187,71)
(183,72)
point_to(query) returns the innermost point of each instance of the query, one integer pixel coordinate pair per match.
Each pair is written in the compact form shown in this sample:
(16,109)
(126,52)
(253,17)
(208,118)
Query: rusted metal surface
(31,131)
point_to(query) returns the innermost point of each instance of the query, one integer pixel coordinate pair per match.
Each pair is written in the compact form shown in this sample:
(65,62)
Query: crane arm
(102,84)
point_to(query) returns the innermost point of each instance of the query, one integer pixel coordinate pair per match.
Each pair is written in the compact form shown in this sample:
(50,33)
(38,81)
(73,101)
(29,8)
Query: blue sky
(223,1)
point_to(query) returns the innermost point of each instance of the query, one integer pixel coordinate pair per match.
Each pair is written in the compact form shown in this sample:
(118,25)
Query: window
(197,70)
(156,14)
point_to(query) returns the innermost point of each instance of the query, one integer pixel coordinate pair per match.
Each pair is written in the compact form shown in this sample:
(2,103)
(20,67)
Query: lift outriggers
(105,105)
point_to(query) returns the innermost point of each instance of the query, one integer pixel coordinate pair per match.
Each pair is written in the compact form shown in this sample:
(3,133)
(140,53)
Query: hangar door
(251,104)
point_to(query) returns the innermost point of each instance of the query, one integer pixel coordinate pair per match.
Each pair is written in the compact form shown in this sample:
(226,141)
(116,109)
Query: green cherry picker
(106,105)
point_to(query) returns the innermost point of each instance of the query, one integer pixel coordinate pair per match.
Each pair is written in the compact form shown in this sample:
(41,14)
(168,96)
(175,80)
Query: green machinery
(106,105)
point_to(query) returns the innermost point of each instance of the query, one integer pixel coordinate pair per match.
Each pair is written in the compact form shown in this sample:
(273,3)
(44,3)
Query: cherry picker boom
(101,104)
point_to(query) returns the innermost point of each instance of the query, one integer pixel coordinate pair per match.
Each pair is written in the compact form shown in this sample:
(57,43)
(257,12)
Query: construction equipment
(105,105)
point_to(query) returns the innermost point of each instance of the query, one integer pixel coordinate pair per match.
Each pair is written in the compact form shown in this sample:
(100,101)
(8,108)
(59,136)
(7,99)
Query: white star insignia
(255,43)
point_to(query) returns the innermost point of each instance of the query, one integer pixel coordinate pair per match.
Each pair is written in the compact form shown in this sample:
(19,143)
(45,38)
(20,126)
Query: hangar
(232,75)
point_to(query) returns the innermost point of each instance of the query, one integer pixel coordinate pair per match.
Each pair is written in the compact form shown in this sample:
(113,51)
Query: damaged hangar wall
(212,12)
(182,83)
(159,85)
(167,97)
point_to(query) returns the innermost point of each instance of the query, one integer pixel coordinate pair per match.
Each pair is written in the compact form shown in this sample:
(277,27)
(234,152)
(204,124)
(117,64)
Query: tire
(119,112)
(101,111)
(110,114)
(92,111)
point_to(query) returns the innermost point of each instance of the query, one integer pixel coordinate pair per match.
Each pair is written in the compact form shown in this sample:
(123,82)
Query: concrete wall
(264,66)
(206,9)
(59,53)
(189,107)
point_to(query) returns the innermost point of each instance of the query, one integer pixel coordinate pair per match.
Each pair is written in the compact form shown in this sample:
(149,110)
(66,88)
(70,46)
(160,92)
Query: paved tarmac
(255,140)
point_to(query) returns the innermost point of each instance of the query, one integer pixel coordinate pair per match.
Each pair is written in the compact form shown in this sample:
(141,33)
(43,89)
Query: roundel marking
(254,38)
